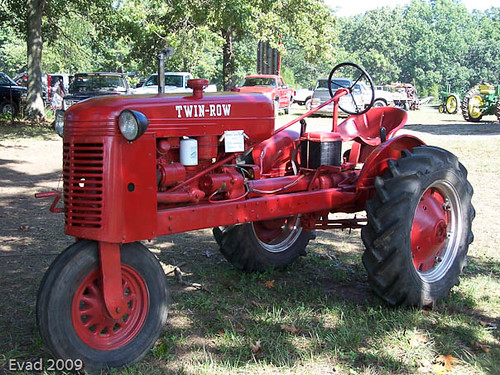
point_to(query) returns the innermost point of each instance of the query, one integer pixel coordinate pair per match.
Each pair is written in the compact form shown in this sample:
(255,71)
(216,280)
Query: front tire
(260,245)
(288,108)
(276,107)
(73,321)
(419,228)
(8,108)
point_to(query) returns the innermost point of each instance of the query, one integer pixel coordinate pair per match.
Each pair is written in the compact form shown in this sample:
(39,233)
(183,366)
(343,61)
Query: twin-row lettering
(203,110)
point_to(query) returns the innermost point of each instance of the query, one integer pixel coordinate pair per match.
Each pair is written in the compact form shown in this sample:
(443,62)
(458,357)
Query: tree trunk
(34,105)
(228,60)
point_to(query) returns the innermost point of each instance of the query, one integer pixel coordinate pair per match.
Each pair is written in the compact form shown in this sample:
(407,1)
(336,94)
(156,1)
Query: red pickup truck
(271,86)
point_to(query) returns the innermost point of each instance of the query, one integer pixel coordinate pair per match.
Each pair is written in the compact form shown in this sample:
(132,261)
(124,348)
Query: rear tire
(308,104)
(73,321)
(419,228)
(260,245)
(471,103)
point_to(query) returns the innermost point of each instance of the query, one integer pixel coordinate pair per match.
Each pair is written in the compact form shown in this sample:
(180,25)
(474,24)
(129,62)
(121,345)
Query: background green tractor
(481,101)
(449,102)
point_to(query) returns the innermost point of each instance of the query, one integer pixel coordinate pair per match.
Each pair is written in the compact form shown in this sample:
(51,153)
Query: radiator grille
(83,184)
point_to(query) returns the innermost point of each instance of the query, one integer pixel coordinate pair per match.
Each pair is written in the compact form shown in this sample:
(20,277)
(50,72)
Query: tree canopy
(430,43)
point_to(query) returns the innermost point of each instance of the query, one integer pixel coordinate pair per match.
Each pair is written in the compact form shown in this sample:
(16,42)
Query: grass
(318,316)
(356,334)
(22,129)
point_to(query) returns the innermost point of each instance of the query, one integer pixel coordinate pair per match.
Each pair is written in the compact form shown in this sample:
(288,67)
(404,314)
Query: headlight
(269,95)
(132,124)
(59,122)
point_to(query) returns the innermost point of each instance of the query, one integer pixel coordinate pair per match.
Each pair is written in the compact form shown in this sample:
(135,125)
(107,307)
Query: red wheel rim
(279,234)
(269,230)
(92,323)
(436,231)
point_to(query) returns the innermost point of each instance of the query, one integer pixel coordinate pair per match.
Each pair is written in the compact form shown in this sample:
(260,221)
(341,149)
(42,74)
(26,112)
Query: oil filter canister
(188,152)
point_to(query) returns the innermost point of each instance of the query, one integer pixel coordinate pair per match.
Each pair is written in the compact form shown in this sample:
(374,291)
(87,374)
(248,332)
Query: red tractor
(138,167)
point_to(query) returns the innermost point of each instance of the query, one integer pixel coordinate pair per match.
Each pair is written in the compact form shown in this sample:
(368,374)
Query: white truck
(175,83)
(303,97)
(383,98)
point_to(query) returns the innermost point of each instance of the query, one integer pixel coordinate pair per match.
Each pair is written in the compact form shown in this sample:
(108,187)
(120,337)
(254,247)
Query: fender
(275,151)
(376,164)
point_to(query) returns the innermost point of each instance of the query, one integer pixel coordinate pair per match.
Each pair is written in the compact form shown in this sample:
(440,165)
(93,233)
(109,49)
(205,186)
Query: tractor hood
(176,116)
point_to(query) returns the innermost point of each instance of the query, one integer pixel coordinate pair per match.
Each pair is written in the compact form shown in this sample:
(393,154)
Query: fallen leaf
(292,329)
(269,284)
(256,304)
(448,361)
(485,348)
(257,348)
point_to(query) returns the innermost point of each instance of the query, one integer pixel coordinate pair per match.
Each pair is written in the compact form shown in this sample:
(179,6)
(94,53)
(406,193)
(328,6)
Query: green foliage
(432,44)
(12,52)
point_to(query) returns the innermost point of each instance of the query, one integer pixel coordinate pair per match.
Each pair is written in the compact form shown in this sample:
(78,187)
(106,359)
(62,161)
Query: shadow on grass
(339,319)
(25,129)
(451,127)
(31,237)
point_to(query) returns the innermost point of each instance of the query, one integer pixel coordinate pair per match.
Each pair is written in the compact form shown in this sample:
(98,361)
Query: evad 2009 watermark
(42,364)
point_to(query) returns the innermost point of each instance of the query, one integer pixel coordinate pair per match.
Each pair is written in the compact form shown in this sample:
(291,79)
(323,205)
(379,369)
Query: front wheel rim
(92,323)
(277,235)
(436,231)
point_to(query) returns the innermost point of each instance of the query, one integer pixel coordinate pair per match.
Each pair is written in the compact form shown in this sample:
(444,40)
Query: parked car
(88,85)
(303,97)
(175,83)
(322,95)
(271,86)
(12,96)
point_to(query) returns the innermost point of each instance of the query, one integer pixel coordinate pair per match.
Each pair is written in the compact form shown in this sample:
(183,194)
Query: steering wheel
(355,103)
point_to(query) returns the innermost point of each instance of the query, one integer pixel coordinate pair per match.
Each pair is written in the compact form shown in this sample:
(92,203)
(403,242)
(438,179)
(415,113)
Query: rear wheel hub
(435,231)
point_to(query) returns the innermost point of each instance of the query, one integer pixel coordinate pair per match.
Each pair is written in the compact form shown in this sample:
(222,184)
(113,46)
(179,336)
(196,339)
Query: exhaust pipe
(162,56)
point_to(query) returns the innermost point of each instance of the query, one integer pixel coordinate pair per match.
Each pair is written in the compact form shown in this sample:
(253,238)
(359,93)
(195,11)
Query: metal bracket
(109,259)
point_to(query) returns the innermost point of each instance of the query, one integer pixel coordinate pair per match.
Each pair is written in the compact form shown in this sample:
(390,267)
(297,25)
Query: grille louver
(83,184)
